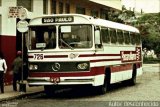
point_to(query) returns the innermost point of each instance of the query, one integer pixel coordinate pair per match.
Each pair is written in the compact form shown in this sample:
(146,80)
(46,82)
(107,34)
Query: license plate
(55,80)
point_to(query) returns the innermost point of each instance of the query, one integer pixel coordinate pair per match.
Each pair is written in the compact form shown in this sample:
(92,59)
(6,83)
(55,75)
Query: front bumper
(89,80)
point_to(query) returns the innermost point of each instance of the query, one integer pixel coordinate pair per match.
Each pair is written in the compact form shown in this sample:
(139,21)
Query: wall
(8,34)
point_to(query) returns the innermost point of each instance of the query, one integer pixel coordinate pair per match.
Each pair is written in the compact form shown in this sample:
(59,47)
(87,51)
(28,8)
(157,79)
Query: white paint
(92,80)
(8,26)
(120,76)
(111,3)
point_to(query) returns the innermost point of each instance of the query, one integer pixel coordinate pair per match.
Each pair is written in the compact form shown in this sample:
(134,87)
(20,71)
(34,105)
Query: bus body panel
(65,66)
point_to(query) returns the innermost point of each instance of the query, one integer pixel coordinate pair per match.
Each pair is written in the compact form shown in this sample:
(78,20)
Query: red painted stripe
(96,60)
(101,60)
(30,56)
(51,56)
(85,55)
(55,56)
(121,68)
(94,55)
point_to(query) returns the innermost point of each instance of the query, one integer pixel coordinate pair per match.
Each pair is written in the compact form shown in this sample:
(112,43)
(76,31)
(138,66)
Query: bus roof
(85,19)
(115,25)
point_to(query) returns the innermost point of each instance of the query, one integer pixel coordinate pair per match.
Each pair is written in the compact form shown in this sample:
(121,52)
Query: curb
(20,96)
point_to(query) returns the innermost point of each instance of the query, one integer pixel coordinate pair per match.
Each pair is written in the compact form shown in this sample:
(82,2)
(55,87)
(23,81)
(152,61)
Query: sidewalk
(10,94)
(151,67)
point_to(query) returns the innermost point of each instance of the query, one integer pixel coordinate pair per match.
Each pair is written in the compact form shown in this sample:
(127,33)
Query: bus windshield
(43,37)
(70,37)
(75,36)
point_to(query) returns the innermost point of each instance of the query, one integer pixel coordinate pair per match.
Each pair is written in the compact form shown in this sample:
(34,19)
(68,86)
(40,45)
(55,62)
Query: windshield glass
(43,37)
(75,36)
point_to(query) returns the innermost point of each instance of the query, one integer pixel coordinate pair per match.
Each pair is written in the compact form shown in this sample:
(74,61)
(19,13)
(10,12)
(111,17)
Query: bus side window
(127,37)
(138,38)
(105,35)
(113,36)
(120,37)
(133,38)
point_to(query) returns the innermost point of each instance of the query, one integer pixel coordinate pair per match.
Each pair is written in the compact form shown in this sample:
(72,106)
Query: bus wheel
(106,86)
(134,76)
(49,90)
(103,88)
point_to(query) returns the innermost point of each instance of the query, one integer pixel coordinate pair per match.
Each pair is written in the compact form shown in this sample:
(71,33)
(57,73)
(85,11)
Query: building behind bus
(10,38)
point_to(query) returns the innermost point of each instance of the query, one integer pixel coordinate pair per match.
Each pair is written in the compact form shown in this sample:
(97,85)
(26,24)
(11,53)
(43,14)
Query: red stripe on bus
(93,55)
(52,56)
(121,68)
(55,56)
(85,55)
(30,56)
(102,60)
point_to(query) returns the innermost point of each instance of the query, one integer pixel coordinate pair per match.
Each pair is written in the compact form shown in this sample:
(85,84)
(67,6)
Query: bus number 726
(38,56)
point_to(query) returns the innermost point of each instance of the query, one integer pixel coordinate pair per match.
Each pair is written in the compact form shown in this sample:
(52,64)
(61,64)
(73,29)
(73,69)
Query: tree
(149,26)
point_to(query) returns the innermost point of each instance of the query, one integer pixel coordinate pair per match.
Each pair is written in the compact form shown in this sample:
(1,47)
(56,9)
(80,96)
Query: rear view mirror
(97,37)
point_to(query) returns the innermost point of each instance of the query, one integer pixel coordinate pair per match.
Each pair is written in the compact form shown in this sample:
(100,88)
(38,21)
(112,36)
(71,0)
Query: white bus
(74,49)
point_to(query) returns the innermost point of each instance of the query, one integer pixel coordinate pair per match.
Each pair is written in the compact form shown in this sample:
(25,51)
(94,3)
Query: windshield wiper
(66,44)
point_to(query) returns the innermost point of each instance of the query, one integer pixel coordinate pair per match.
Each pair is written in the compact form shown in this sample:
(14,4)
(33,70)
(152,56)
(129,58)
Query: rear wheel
(105,87)
(134,76)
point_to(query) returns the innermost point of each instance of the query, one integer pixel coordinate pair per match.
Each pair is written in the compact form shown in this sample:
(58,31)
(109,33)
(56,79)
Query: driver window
(50,39)
(46,38)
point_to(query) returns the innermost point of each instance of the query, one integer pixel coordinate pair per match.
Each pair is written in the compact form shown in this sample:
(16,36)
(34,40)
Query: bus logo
(128,56)
(73,55)
(56,66)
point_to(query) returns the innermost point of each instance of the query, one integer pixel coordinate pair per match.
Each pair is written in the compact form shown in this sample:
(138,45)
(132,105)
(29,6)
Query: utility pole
(22,26)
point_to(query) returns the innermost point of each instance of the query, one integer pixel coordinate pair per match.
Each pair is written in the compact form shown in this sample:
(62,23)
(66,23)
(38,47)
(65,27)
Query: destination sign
(57,19)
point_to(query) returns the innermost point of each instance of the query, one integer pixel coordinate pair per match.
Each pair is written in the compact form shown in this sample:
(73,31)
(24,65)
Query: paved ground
(10,94)
(147,89)
(151,67)
(145,93)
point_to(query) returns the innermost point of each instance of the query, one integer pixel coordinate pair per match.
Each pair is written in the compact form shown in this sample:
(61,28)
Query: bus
(76,50)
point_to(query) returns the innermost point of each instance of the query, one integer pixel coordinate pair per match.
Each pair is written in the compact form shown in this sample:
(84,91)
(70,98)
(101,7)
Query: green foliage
(150,60)
(149,26)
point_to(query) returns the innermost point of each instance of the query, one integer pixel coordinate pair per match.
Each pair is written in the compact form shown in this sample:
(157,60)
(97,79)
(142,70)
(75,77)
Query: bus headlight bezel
(33,67)
(82,66)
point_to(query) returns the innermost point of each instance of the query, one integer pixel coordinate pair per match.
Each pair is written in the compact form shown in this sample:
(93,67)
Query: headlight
(82,66)
(33,67)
